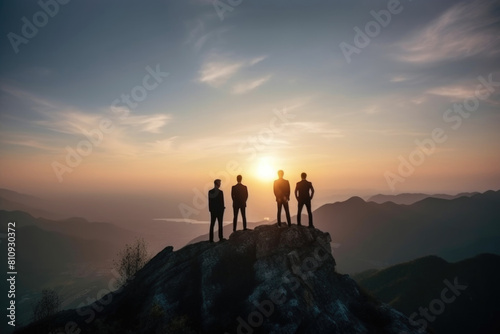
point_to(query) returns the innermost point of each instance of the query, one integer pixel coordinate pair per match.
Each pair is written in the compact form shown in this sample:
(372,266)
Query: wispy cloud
(57,126)
(162,145)
(245,87)
(147,123)
(402,78)
(75,122)
(397,133)
(458,91)
(24,95)
(322,129)
(34,141)
(370,110)
(68,121)
(256,60)
(464,30)
(217,73)
(219,70)
(200,34)
(212,145)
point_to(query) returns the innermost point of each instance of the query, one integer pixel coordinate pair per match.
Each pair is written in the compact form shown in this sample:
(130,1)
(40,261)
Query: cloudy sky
(164,96)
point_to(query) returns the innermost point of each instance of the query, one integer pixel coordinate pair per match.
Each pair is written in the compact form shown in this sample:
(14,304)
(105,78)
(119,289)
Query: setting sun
(265,170)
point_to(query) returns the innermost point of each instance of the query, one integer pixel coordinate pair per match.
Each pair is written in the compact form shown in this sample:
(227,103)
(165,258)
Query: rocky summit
(266,280)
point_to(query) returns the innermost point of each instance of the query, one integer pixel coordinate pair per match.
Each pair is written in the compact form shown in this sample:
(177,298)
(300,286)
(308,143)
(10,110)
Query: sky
(155,99)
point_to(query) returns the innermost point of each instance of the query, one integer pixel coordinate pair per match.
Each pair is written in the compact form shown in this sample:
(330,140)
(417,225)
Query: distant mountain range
(71,255)
(158,233)
(14,201)
(459,298)
(371,235)
(410,198)
(72,227)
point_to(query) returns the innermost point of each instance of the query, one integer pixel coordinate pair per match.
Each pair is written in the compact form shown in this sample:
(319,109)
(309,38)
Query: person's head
(303,176)
(239,178)
(281,173)
(217,183)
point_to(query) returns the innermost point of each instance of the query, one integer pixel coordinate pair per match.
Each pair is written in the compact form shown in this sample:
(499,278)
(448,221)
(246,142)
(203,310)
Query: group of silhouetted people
(304,193)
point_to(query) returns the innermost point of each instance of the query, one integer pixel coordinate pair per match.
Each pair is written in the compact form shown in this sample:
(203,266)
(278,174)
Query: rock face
(268,280)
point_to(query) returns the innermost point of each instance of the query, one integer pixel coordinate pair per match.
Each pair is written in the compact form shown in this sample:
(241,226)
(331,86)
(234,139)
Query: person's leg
(309,213)
(244,217)
(212,224)
(279,212)
(287,211)
(299,212)
(219,218)
(235,217)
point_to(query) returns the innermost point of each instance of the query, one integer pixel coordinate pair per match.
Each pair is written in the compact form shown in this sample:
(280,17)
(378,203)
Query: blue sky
(231,71)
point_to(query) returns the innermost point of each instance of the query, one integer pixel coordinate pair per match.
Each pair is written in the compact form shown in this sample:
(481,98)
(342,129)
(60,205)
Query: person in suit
(216,208)
(304,193)
(282,193)
(239,194)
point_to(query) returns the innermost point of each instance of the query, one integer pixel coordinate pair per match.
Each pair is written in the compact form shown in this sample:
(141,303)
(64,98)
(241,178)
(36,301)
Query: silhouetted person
(304,193)
(282,193)
(216,208)
(239,194)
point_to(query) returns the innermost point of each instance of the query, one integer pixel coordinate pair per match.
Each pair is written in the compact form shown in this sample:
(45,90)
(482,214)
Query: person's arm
(312,191)
(210,202)
(288,190)
(296,191)
(246,193)
(222,200)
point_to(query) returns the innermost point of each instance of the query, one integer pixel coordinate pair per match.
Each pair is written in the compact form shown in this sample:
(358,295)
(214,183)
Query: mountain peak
(355,200)
(264,280)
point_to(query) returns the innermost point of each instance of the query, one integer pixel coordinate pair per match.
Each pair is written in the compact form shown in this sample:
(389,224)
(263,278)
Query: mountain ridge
(412,285)
(379,235)
(410,198)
